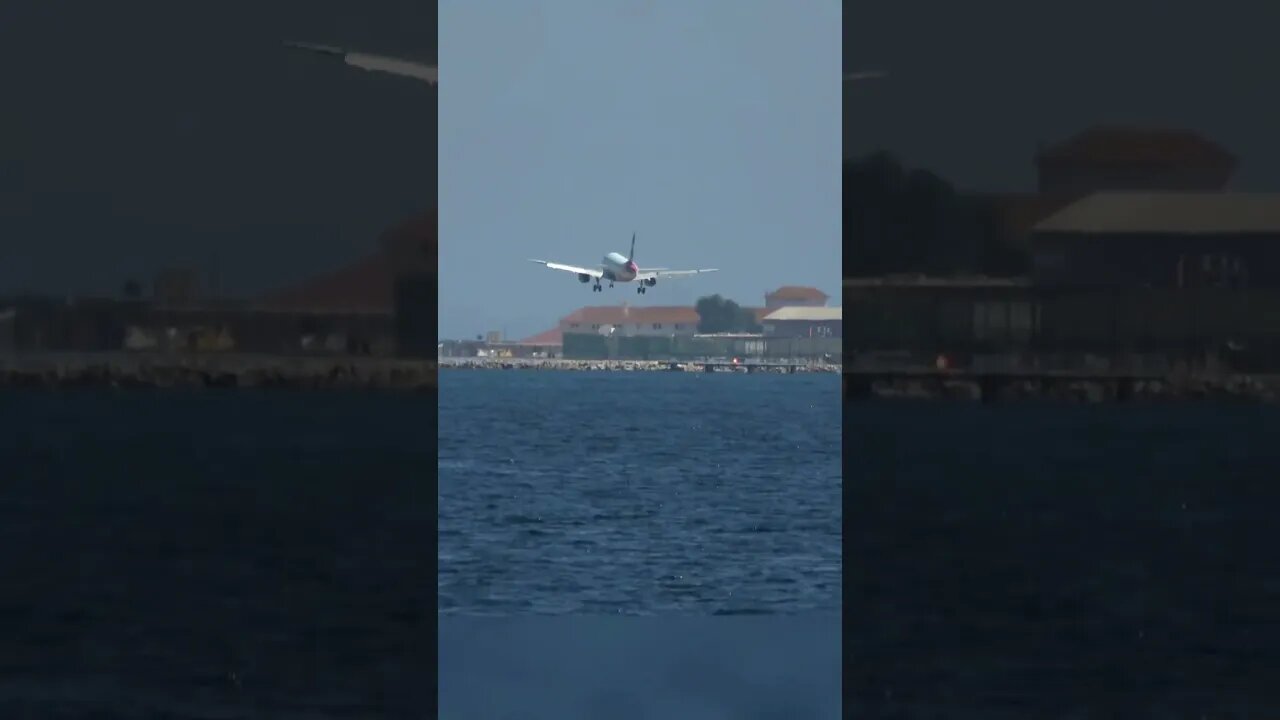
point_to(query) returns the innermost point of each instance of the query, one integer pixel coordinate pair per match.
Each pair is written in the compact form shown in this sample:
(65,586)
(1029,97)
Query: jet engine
(584,278)
(651,282)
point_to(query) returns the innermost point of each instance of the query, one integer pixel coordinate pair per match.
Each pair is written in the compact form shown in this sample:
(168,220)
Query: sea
(639,493)
(1062,561)
(633,545)
(216,554)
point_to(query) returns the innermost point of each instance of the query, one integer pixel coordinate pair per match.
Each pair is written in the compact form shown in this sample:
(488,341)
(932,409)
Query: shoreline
(560,364)
(188,371)
(1073,389)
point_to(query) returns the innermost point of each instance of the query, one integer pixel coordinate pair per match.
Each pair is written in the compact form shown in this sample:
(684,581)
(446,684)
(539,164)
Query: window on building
(679,326)
(574,325)
(657,326)
(595,326)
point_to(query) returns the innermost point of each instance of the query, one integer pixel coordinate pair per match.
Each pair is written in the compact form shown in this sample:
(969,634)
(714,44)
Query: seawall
(174,370)
(1059,387)
(629,365)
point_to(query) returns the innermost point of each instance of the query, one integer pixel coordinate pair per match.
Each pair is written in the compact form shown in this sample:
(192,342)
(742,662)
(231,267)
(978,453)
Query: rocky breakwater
(215,371)
(1234,388)
(624,366)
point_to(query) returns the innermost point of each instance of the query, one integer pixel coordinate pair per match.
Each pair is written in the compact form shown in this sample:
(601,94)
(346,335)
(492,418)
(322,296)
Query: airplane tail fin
(632,257)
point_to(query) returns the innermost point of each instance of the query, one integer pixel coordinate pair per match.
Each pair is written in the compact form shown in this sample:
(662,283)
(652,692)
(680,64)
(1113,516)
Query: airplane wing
(595,273)
(653,274)
(376,63)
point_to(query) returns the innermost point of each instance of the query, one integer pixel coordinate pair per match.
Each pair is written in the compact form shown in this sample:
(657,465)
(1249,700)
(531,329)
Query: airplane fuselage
(617,268)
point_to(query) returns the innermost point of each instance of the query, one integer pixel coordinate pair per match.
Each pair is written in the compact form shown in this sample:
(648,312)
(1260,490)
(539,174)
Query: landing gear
(641,290)
(597,288)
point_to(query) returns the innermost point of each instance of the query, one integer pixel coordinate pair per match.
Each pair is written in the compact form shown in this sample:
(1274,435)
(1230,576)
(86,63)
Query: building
(1161,240)
(1015,215)
(549,343)
(804,322)
(382,303)
(1107,159)
(411,248)
(615,331)
(628,321)
(794,295)
(1120,158)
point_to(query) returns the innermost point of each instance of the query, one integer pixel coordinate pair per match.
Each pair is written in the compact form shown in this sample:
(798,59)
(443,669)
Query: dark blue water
(1068,562)
(639,493)
(200,555)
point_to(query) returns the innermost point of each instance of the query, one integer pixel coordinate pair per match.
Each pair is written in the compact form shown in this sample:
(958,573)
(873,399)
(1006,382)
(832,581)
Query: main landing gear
(597,288)
(640,290)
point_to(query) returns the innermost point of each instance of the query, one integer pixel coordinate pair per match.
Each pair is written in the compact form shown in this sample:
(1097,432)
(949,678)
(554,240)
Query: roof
(625,314)
(797,292)
(1018,213)
(963,281)
(1132,145)
(1168,214)
(809,314)
(413,243)
(366,286)
(554,336)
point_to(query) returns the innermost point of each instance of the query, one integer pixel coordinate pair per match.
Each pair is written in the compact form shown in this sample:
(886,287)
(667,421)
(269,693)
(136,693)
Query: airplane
(616,268)
(375,63)
(431,73)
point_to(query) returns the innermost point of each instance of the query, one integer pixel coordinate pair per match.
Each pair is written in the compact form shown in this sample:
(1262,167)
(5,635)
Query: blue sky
(711,129)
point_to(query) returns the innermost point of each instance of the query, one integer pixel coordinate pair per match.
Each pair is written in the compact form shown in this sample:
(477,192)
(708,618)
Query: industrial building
(625,331)
(803,322)
(382,304)
(1139,255)
(1161,240)
(1109,158)
(1135,278)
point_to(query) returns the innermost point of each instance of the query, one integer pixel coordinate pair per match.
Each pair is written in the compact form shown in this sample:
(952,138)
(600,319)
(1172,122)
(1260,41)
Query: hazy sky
(711,129)
(146,133)
(975,85)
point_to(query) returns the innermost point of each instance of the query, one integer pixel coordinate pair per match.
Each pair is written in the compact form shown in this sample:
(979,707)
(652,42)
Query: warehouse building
(803,322)
(1161,240)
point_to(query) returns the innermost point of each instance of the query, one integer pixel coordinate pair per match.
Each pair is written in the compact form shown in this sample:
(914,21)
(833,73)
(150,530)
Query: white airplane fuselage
(618,268)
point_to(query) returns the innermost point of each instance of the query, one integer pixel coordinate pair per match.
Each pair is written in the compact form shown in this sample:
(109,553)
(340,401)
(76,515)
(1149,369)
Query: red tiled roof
(366,286)
(1017,214)
(624,314)
(1126,145)
(554,336)
(413,244)
(797,292)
